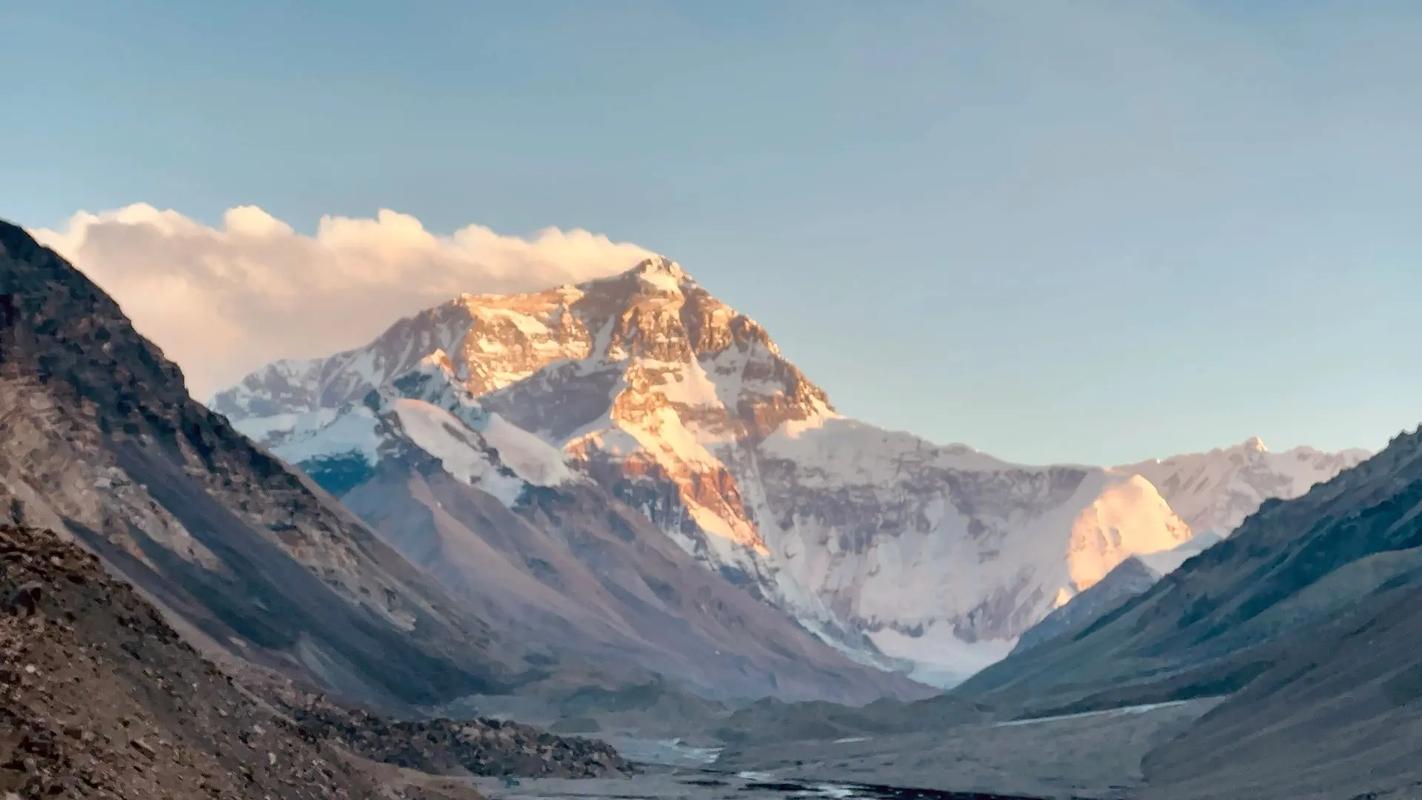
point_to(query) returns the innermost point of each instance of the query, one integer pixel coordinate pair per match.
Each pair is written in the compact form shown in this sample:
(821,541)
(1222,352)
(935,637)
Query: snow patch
(940,658)
(533,459)
(458,449)
(273,429)
(354,432)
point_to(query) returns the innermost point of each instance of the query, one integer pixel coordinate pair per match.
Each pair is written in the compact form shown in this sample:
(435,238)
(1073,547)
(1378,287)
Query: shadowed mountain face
(1130,578)
(1243,607)
(1339,715)
(100,441)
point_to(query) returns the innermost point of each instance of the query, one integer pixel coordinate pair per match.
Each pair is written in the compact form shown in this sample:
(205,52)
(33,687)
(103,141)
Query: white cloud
(222,301)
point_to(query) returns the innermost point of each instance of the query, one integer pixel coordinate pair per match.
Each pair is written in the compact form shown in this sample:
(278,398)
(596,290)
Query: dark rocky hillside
(103,699)
(1126,580)
(100,440)
(1339,716)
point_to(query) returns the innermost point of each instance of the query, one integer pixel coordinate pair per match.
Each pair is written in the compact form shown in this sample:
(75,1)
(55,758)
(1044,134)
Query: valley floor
(689,783)
(1096,755)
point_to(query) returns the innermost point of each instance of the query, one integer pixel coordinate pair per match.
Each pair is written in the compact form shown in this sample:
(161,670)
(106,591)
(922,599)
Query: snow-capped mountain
(895,549)
(1214,491)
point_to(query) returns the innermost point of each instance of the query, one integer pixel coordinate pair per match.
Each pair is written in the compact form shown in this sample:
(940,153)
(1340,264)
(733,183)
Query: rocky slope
(173,724)
(456,747)
(1130,578)
(1340,715)
(1242,607)
(901,552)
(170,725)
(100,442)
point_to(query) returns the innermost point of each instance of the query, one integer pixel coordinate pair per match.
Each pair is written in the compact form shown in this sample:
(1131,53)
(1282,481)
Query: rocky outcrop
(458,747)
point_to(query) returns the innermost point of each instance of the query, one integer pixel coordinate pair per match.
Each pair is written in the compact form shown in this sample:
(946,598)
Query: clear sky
(1089,232)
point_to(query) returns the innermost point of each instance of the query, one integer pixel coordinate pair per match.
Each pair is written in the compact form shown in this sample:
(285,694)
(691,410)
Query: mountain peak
(1254,445)
(658,275)
(659,265)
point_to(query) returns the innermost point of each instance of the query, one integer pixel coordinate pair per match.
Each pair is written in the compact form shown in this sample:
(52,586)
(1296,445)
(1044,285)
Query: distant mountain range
(646,388)
(1215,491)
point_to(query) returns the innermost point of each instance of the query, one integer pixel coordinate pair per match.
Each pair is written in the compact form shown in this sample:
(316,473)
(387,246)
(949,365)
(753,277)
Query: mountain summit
(602,370)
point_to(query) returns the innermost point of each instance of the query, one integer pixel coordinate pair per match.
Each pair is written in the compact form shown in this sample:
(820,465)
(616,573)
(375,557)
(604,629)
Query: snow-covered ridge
(483,451)
(1214,491)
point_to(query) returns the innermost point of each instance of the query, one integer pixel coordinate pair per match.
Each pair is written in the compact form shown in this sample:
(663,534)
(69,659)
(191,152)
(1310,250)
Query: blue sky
(1089,232)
